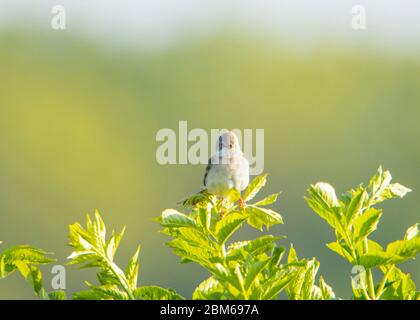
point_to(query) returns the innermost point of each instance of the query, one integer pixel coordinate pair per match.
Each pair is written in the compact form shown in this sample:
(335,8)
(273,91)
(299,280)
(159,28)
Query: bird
(227,168)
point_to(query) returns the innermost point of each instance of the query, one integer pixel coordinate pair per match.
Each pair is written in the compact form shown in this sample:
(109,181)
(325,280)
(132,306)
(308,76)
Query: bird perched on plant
(227,169)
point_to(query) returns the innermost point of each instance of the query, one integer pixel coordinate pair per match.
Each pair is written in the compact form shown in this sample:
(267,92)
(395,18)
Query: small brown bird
(227,168)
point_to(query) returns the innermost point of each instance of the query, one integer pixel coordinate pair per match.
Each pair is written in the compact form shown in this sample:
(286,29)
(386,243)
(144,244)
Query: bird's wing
(208,168)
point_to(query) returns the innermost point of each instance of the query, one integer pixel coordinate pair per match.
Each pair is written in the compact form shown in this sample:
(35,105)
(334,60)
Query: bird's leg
(222,208)
(241,203)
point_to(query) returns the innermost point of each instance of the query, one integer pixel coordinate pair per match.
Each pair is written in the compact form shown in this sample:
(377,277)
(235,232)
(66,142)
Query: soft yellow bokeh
(78,126)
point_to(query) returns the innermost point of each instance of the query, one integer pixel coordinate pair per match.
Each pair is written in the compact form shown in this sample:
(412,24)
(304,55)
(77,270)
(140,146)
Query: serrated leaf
(265,216)
(132,270)
(56,295)
(329,214)
(26,254)
(268,200)
(276,257)
(156,293)
(228,225)
(254,271)
(110,248)
(326,291)
(379,181)
(104,292)
(209,289)
(342,250)
(371,260)
(252,247)
(205,217)
(292,257)
(382,189)
(86,295)
(324,193)
(398,191)
(399,286)
(412,232)
(354,208)
(175,219)
(365,224)
(254,187)
(402,250)
(277,286)
(92,250)
(32,274)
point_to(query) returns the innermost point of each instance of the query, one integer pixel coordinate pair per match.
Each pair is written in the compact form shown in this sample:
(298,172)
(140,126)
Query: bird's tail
(201,198)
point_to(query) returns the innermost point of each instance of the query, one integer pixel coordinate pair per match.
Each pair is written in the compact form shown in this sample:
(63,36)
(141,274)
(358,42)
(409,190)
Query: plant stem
(365,293)
(120,275)
(371,286)
(383,282)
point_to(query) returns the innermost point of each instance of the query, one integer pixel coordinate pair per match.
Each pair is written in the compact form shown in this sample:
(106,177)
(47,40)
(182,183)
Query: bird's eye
(231,146)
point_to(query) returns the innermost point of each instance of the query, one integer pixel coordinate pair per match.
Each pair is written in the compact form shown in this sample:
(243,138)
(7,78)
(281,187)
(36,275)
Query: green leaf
(253,247)
(399,286)
(253,272)
(255,222)
(354,208)
(254,187)
(173,218)
(56,295)
(398,191)
(277,286)
(228,225)
(326,291)
(238,279)
(265,216)
(396,252)
(86,295)
(26,254)
(379,181)
(92,250)
(276,257)
(341,249)
(109,292)
(412,232)
(190,251)
(366,224)
(371,260)
(234,195)
(382,189)
(307,289)
(156,293)
(132,270)
(330,214)
(402,250)
(107,277)
(24,258)
(324,193)
(205,217)
(32,275)
(292,257)
(268,200)
(209,289)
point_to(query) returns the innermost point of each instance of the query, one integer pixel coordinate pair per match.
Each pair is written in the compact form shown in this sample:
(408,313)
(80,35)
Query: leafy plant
(25,259)
(93,250)
(354,217)
(248,269)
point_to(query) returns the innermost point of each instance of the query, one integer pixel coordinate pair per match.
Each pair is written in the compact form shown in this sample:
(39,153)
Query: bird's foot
(241,203)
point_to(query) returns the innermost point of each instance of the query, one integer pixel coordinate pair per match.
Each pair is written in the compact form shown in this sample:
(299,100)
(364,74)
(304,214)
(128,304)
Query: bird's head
(228,144)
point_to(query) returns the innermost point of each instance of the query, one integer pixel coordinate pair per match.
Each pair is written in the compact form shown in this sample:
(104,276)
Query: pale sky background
(393,24)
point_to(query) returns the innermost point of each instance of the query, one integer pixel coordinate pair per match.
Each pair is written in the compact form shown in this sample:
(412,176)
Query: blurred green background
(78,124)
